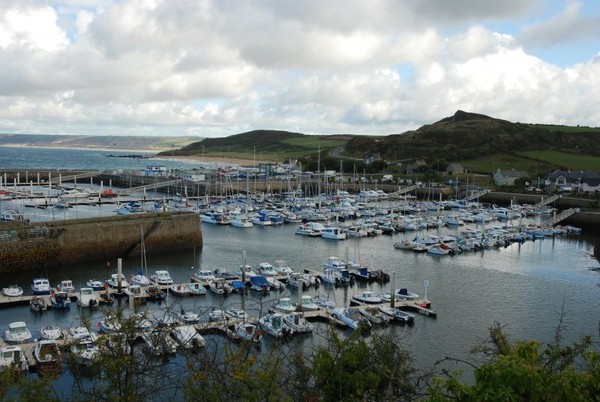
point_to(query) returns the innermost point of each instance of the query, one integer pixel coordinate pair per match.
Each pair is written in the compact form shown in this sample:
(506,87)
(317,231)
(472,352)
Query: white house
(508,177)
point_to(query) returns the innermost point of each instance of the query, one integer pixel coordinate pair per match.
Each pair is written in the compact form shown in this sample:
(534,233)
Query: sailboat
(141,276)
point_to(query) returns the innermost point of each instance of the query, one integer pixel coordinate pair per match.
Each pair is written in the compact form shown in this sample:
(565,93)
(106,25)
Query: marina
(498,272)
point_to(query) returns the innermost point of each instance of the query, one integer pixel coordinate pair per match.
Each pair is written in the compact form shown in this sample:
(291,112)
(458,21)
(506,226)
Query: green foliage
(565,160)
(18,386)
(354,370)
(527,371)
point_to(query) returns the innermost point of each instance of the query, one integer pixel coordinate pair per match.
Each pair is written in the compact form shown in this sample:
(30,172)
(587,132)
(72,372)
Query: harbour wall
(33,245)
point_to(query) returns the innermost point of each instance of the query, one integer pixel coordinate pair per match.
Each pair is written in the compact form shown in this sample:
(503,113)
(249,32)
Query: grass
(489,164)
(313,143)
(565,160)
(566,129)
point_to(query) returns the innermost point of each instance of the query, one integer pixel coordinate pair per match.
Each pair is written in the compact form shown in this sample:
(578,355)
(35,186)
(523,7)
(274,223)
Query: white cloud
(221,67)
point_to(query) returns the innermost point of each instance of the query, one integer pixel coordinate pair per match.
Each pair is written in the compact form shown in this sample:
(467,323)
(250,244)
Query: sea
(530,288)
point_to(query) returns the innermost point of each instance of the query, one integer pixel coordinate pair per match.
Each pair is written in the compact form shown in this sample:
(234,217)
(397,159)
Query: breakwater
(33,245)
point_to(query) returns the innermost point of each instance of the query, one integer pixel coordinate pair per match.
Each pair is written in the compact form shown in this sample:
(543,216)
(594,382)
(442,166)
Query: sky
(215,68)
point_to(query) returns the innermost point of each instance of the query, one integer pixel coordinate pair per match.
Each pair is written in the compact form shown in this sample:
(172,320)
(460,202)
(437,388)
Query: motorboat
(187,317)
(275,283)
(195,289)
(11,215)
(282,267)
(247,331)
(140,278)
(60,300)
(375,316)
(109,324)
(261,219)
(51,332)
(219,286)
(399,316)
(12,291)
(333,233)
(136,294)
(40,286)
(179,290)
(297,323)
(367,297)
(159,342)
(285,305)
(334,263)
(66,286)
(241,220)
(323,301)
(204,275)
(161,277)
(114,280)
(246,271)
(216,315)
(46,353)
(84,351)
(81,333)
(259,283)
(307,230)
(17,333)
(351,318)
(266,269)
(238,313)
(308,303)
(403,293)
(87,297)
(38,304)
(155,293)
(187,336)
(12,356)
(96,285)
(273,325)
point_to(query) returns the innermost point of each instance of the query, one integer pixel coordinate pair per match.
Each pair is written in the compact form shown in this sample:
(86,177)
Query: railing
(476,195)
(546,201)
(562,216)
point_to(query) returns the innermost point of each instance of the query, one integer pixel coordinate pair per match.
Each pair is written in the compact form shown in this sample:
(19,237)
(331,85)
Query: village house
(454,169)
(508,177)
(567,180)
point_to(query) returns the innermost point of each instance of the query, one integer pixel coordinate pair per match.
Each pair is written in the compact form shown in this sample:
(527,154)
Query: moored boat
(40,286)
(12,291)
(17,332)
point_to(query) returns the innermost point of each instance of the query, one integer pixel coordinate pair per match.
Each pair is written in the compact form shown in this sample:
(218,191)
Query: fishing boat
(216,315)
(187,317)
(308,303)
(179,290)
(155,293)
(136,294)
(266,269)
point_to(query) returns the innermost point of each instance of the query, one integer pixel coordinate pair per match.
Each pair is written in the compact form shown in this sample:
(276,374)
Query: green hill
(464,137)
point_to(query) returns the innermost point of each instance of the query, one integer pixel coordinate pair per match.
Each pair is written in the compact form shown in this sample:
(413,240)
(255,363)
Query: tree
(527,371)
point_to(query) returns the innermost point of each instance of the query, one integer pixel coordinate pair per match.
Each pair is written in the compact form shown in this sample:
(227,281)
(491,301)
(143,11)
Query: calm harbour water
(524,286)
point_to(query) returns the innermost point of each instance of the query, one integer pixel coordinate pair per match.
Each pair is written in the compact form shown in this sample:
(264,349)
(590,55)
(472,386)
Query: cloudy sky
(219,67)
